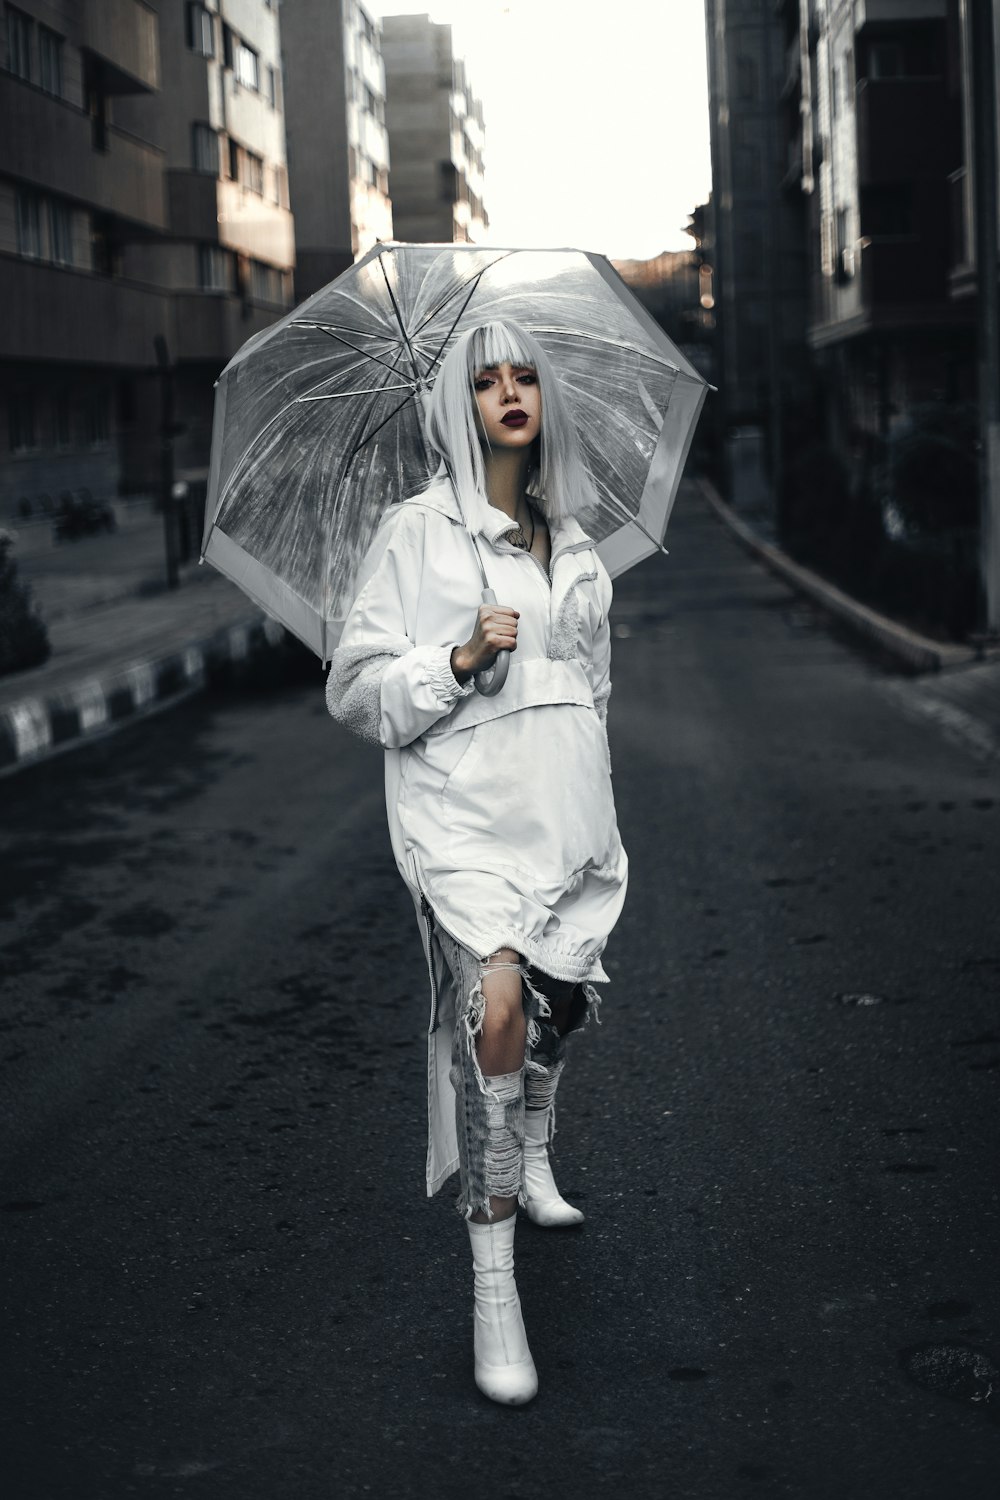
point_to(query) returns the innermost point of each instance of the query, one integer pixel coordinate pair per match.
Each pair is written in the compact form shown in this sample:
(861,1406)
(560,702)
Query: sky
(596,132)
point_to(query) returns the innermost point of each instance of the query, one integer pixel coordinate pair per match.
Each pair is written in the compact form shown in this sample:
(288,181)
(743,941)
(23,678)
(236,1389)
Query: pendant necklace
(517,537)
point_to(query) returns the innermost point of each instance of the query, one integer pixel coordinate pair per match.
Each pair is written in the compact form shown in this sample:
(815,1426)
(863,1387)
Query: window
(200,31)
(215,269)
(105,257)
(63,424)
(885,60)
(253,172)
(746,78)
(280,188)
(50,61)
(21,423)
(204,149)
(96,419)
(234,160)
(835,91)
(265,282)
(29,228)
(19,29)
(60,233)
(272,88)
(887,210)
(246,65)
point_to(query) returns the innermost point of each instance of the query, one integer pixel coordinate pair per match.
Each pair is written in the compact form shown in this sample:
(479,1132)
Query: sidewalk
(955,687)
(123,644)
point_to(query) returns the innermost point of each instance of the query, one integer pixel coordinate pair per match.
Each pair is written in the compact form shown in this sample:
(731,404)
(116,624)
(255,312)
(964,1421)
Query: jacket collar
(491,523)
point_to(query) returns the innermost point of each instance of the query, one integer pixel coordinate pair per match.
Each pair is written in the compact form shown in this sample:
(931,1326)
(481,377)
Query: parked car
(80,515)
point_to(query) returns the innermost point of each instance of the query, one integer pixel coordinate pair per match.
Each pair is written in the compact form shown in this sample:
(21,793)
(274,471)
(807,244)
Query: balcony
(869,12)
(48,143)
(71,317)
(221,211)
(905,129)
(211,327)
(123,38)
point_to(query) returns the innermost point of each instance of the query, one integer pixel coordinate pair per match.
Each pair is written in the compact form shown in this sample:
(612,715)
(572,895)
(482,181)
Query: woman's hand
(496,630)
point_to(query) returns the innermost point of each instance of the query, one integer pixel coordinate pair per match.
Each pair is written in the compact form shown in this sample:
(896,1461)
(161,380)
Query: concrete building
(143,217)
(890,222)
(74,190)
(436,135)
(338,151)
(760,249)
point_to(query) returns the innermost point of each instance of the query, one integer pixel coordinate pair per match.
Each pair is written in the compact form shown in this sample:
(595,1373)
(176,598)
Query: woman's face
(509,402)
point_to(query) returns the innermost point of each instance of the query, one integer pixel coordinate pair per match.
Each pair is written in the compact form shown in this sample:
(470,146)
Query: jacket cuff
(442,680)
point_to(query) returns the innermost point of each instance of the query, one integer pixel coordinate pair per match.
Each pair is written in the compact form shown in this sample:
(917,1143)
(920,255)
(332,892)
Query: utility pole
(167,430)
(982,60)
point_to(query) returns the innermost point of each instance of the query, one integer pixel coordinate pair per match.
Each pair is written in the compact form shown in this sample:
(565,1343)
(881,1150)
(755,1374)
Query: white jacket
(500,810)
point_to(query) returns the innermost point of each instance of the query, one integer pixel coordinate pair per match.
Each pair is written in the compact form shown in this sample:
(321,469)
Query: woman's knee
(501,981)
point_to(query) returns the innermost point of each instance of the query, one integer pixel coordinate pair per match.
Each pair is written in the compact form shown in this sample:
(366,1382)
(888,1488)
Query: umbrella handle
(491,679)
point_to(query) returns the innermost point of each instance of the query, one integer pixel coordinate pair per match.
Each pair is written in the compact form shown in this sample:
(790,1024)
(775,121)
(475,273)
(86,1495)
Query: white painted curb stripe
(32,727)
(91,705)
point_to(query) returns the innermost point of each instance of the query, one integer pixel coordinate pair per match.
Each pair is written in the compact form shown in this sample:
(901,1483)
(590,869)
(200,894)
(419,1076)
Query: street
(222,1276)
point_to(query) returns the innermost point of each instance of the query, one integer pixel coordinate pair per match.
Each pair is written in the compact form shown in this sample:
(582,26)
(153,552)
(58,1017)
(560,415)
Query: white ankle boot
(543,1203)
(505,1370)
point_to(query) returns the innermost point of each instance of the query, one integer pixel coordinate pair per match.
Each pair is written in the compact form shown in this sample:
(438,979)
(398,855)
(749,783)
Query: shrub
(24,640)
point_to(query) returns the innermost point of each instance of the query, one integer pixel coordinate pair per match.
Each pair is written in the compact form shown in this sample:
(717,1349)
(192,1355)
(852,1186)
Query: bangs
(493,344)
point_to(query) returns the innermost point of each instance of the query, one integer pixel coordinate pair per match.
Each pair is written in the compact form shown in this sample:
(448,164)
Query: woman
(500,808)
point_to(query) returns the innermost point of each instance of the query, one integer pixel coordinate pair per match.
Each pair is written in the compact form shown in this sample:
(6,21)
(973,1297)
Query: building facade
(436,136)
(760,258)
(889,225)
(338,149)
(145,232)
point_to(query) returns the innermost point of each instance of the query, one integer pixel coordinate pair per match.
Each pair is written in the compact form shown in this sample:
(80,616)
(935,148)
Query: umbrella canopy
(318,422)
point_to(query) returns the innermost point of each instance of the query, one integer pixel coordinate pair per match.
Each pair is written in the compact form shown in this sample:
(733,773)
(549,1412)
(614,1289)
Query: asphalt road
(222,1277)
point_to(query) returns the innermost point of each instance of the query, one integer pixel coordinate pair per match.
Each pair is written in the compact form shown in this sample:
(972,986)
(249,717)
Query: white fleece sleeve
(599,667)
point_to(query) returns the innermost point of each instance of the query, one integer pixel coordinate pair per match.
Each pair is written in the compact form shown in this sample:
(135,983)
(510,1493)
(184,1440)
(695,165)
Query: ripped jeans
(489,1113)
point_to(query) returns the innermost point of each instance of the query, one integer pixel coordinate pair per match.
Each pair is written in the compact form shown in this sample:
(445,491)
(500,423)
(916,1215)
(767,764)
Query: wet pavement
(222,1277)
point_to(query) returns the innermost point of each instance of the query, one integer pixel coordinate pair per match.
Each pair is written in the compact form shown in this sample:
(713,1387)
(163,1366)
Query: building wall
(760,286)
(131,212)
(436,135)
(75,186)
(338,147)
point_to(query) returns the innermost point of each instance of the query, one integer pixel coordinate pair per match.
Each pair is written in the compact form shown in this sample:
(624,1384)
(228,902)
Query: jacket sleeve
(381,685)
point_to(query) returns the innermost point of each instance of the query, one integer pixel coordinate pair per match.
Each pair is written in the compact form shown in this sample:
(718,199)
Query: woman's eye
(482,385)
(528,378)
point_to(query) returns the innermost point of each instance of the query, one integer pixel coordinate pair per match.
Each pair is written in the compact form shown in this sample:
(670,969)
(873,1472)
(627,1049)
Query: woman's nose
(508,389)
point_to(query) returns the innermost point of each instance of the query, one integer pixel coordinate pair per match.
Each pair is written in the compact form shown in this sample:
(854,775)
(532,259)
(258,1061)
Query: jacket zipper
(563,551)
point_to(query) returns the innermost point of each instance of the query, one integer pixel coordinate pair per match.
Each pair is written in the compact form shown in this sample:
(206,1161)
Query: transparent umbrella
(318,419)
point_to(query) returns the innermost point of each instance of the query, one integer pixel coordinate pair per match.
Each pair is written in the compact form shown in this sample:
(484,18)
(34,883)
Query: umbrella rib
(600,338)
(458,316)
(456,291)
(367,391)
(365,353)
(616,504)
(368,436)
(399,319)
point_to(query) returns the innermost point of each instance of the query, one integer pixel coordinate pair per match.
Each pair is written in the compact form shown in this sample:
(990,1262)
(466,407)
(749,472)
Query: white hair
(557,475)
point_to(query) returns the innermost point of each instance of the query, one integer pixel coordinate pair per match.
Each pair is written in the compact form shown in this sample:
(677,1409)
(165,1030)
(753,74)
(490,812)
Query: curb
(915,653)
(38,727)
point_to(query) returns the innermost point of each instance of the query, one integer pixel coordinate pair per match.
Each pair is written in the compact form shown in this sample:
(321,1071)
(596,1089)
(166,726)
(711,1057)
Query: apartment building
(144,228)
(436,135)
(760,281)
(338,149)
(75,188)
(889,225)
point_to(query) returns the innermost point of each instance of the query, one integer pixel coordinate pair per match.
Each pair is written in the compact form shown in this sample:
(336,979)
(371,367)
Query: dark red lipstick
(515,419)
